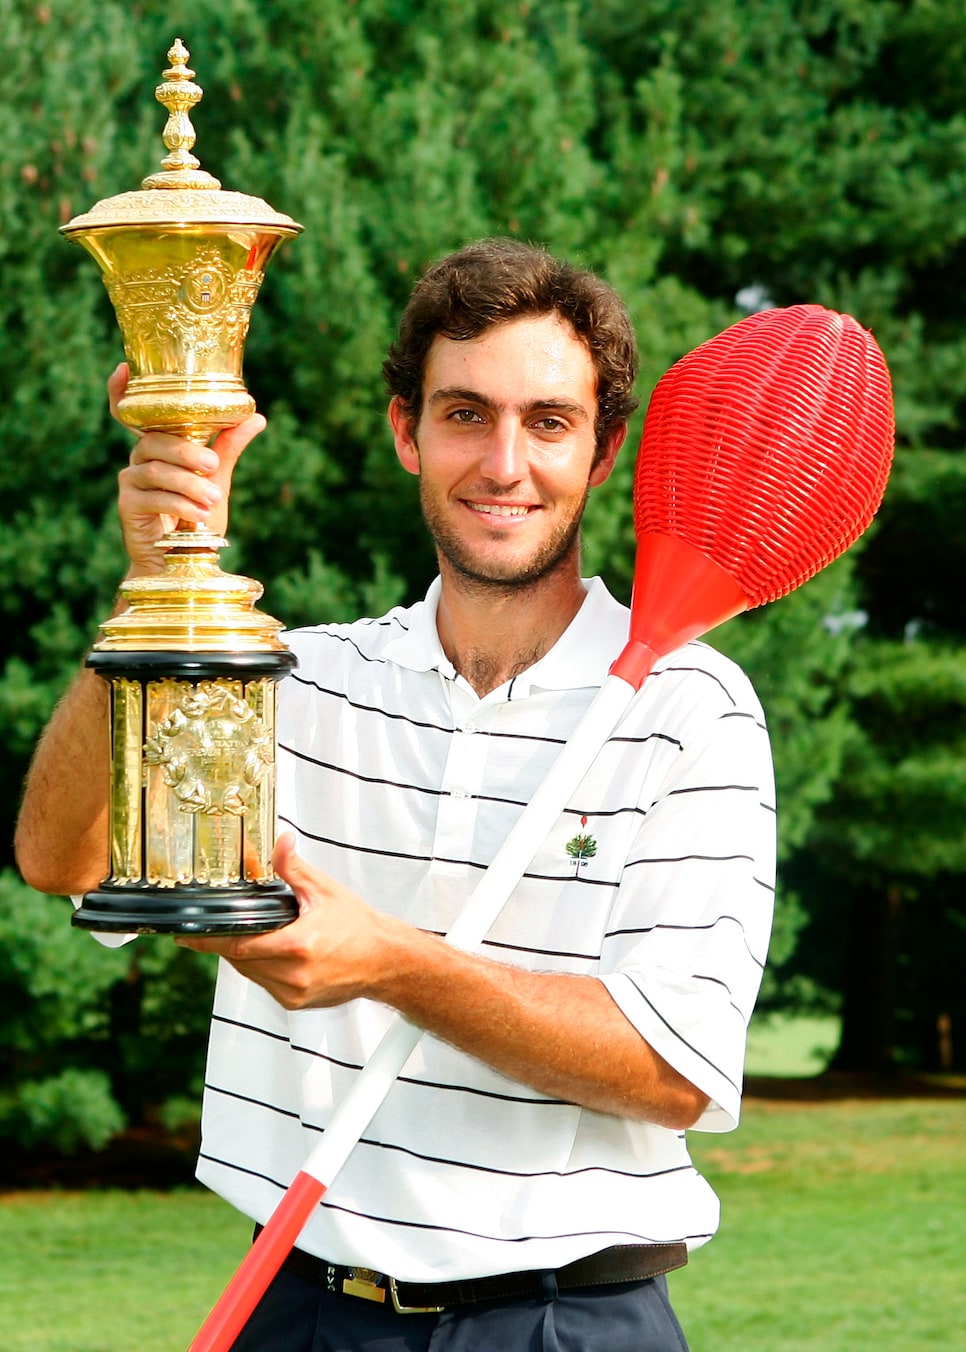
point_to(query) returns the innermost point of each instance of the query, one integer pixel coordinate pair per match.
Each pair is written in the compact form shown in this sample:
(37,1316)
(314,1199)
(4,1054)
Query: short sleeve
(688,935)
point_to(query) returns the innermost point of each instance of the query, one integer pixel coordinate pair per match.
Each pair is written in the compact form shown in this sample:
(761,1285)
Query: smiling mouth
(497,509)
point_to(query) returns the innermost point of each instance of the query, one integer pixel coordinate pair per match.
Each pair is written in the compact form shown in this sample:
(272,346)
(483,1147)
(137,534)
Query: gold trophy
(192,666)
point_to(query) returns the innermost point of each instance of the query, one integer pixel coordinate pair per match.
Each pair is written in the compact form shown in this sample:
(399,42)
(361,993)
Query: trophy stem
(192,535)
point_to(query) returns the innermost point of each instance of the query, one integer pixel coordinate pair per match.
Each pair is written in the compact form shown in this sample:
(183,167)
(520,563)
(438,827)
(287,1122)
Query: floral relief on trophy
(213,751)
(184,317)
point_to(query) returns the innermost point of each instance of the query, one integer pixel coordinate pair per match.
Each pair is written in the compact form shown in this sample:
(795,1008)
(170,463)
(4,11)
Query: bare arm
(563,1035)
(61,840)
(62,835)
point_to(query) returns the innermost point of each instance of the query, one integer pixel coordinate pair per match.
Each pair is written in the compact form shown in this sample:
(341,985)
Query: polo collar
(581,656)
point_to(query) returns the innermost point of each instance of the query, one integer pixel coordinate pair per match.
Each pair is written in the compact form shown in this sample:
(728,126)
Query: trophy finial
(179,94)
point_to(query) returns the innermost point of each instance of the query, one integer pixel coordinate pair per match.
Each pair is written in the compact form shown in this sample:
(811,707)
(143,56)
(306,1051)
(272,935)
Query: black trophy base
(187,908)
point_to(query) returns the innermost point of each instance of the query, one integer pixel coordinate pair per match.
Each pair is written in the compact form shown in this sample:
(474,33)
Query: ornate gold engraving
(189,317)
(213,751)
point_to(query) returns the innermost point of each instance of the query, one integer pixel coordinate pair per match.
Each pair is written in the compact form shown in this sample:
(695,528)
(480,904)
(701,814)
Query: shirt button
(469,727)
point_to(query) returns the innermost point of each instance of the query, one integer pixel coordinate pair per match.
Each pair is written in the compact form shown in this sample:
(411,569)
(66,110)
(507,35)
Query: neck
(492,633)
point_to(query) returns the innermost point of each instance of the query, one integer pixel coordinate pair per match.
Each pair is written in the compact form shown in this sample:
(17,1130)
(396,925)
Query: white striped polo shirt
(658,878)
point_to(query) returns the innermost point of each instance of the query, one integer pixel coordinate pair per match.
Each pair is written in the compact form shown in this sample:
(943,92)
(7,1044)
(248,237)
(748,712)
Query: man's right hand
(167,480)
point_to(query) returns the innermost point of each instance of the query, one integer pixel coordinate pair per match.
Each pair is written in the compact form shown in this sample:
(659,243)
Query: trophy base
(189,908)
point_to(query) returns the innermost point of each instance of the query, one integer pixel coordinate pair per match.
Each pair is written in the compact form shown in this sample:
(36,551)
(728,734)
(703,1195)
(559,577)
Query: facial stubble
(555,553)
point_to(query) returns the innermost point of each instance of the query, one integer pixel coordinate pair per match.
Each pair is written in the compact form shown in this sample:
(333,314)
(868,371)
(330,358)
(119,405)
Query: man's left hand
(330,954)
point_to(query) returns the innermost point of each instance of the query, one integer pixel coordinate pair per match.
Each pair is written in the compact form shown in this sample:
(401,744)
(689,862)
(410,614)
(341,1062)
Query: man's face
(504,449)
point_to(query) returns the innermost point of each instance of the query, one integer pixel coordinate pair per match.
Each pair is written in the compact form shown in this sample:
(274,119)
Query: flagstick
(256,1271)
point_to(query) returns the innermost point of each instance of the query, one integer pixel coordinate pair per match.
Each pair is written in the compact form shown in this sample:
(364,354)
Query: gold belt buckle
(364,1282)
(410,1309)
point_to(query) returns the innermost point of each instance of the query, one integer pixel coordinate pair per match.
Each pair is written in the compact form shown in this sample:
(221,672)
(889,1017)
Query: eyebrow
(450,393)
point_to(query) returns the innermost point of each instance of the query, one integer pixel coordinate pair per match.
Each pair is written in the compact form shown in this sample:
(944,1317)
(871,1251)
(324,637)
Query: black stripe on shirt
(450,729)
(648,737)
(741,713)
(336,637)
(648,929)
(690,858)
(539,952)
(701,671)
(447,1162)
(327,630)
(452,1161)
(426,858)
(632,1236)
(407,786)
(242,1169)
(369,708)
(416,1081)
(254,1102)
(683,1040)
(417,1225)
(364,779)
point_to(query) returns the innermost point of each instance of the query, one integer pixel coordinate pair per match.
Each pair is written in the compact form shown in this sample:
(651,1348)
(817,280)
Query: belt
(622,1263)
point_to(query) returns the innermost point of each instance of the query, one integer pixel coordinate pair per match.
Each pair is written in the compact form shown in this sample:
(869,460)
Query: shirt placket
(462,784)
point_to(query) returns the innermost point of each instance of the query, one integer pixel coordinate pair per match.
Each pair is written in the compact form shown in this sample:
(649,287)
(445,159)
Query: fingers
(165,460)
(295,871)
(166,480)
(116,385)
(311,888)
(326,956)
(169,479)
(230,443)
(284,858)
(215,463)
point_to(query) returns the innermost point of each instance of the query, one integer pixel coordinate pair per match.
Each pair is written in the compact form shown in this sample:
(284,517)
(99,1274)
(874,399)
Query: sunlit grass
(843,1230)
(112,1271)
(780,1044)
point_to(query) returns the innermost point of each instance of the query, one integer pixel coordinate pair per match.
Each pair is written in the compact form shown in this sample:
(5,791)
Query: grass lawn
(843,1230)
(799,1044)
(110,1271)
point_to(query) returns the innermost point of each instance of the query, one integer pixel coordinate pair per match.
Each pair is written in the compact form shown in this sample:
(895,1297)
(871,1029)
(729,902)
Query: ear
(605,464)
(403,435)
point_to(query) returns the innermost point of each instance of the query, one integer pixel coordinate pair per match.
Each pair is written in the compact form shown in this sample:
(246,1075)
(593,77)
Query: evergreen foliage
(708,159)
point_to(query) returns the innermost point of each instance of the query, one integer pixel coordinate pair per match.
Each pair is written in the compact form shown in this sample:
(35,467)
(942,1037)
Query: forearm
(561,1034)
(61,840)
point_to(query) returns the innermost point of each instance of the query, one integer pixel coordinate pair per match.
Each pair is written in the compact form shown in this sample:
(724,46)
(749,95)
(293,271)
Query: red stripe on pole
(259,1266)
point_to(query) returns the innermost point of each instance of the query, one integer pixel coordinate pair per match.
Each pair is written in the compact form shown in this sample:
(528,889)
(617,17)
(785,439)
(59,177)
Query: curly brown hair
(495,280)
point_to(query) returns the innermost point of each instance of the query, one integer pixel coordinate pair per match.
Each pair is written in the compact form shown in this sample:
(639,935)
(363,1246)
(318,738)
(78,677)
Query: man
(538,1129)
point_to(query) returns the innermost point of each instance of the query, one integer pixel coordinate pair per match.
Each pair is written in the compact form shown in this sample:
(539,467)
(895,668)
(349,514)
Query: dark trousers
(296,1316)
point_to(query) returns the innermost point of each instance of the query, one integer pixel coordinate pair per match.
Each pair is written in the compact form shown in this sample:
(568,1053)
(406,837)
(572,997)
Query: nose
(504,456)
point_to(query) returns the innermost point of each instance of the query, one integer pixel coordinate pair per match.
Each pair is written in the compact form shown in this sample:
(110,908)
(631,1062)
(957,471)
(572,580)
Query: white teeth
(496,509)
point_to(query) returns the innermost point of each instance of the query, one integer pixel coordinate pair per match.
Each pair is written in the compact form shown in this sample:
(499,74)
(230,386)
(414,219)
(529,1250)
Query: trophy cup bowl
(193,667)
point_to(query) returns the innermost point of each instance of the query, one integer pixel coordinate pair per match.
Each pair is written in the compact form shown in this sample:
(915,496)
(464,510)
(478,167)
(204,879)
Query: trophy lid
(181,194)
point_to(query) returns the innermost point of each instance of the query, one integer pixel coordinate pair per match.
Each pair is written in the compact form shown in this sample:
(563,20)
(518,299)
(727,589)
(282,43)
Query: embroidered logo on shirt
(582,846)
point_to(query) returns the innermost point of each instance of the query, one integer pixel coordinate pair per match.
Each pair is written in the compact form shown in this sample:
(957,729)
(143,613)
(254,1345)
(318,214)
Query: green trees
(703,157)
